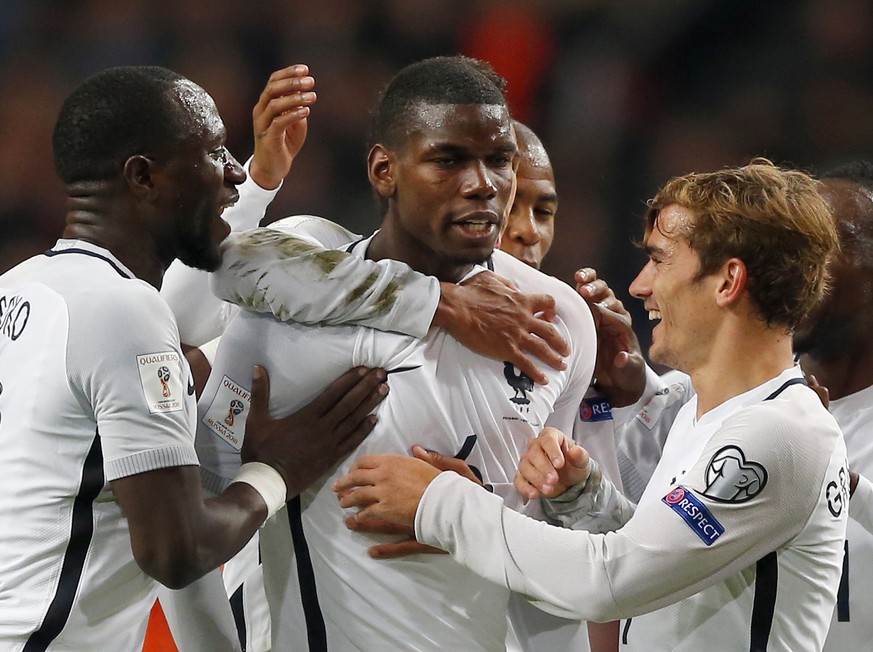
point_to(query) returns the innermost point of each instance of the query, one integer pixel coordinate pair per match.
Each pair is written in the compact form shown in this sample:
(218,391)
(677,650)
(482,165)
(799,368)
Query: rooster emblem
(520,382)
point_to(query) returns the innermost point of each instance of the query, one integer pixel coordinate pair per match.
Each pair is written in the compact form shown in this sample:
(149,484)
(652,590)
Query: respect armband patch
(695,513)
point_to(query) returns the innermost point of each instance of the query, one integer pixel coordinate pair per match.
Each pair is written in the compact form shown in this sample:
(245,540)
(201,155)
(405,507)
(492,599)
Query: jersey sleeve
(293,278)
(667,551)
(641,429)
(127,367)
(200,315)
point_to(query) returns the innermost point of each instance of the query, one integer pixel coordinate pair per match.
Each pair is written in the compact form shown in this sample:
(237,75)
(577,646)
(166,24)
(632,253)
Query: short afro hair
(438,80)
(113,115)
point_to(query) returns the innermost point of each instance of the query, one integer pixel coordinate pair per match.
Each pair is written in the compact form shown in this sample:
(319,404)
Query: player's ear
(380,169)
(734,278)
(139,174)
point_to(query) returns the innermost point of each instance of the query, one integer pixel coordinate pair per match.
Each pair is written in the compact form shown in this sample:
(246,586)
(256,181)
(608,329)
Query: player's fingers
(585,275)
(377,526)
(361,497)
(445,463)
(524,487)
(527,366)
(550,441)
(540,477)
(357,414)
(577,456)
(354,439)
(545,342)
(339,399)
(295,70)
(402,549)
(542,303)
(260,392)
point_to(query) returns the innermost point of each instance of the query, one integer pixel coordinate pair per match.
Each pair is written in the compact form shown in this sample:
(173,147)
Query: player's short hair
(773,219)
(855,229)
(113,115)
(438,80)
(859,172)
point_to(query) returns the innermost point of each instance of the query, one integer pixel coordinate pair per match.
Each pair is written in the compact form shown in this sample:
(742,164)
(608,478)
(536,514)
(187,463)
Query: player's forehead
(200,110)
(460,125)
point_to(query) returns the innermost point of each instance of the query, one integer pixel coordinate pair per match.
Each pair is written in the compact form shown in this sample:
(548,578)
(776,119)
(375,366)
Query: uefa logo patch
(595,408)
(695,513)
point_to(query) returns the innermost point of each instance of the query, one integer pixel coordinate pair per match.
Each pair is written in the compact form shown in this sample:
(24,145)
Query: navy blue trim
(399,370)
(466,448)
(766,579)
(81,533)
(239,615)
(625,631)
(51,253)
(785,385)
(843,612)
(316,634)
(354,244)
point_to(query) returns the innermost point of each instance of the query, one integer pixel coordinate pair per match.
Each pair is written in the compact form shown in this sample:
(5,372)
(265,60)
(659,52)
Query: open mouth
(233,199)
(478,225)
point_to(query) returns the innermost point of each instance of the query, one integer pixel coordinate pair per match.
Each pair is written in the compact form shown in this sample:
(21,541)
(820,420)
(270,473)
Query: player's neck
(843,375)
(388,243)
(740,363)
(133,252)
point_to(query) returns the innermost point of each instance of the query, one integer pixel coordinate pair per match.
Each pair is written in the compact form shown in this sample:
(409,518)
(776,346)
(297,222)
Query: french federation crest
(520,382)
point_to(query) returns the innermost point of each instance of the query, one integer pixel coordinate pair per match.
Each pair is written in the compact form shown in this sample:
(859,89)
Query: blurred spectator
(624,94)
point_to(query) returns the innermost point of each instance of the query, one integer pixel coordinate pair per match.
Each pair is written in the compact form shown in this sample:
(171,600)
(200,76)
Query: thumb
(577,456)
(431,457)
(260,390)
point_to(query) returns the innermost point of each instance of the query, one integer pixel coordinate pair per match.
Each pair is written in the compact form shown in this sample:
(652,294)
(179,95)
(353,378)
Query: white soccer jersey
(852,625)
(94,388)
(324,590)
(743,537)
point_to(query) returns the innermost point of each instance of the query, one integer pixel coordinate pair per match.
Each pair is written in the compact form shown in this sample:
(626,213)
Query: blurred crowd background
(624,93)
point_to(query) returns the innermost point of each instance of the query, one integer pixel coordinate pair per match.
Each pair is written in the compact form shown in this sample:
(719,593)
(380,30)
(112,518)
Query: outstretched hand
(280,124)
(490,316)
(408,545)
(304,445)
(386,487)
(620,369)
(551,464)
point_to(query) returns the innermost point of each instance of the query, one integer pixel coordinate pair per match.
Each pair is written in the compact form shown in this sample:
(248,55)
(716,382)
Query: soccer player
(97,405)
(834,346)
(737,541)
(442,163)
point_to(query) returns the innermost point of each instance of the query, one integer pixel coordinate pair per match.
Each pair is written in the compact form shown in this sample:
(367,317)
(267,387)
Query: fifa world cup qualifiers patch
(228,411)
(162,383)
(731,478)
(695,513)
(595,408)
